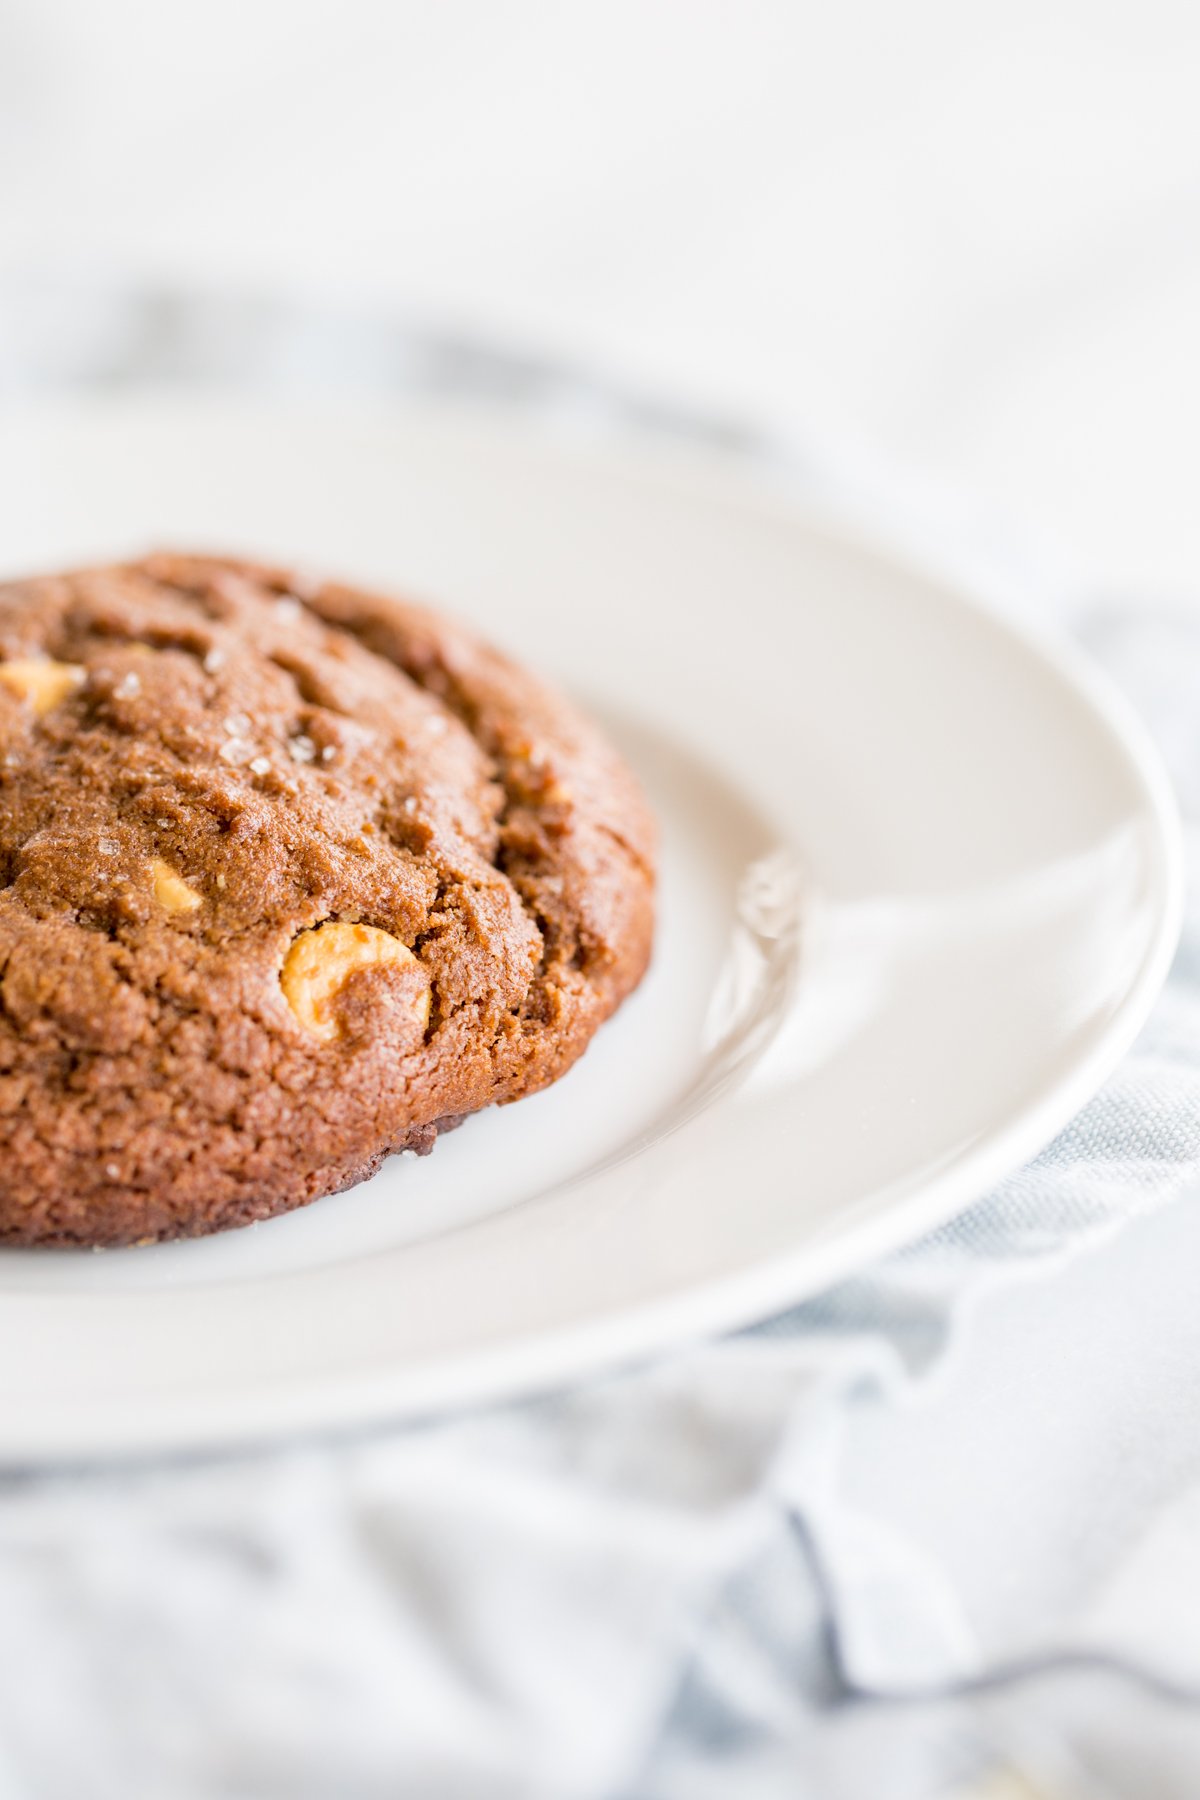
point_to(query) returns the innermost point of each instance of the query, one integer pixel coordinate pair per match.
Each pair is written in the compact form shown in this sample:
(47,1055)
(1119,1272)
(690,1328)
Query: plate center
(724,954)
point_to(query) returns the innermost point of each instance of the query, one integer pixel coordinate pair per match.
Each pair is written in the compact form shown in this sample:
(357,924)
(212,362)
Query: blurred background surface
(966,237)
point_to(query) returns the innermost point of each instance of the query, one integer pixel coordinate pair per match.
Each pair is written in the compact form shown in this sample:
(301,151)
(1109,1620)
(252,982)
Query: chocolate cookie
(292,877)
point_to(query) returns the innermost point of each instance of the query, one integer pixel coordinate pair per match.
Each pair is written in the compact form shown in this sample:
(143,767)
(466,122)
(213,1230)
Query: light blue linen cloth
(934,1534)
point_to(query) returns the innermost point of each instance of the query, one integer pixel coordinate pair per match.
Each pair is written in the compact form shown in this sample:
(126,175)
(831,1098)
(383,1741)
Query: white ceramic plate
(920,884)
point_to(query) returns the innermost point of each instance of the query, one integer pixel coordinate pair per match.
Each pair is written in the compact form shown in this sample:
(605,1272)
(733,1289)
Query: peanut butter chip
(321,960)
(41,684)
(171,890)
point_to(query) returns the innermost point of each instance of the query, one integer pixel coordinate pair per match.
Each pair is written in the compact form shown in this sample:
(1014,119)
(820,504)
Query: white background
(966,235)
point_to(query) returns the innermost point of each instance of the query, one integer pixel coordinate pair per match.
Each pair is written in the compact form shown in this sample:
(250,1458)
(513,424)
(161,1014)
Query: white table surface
(965,236)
